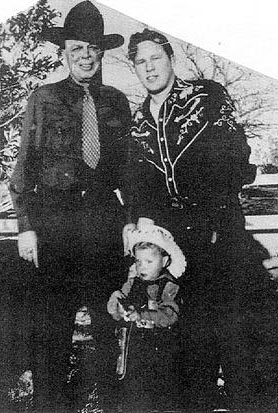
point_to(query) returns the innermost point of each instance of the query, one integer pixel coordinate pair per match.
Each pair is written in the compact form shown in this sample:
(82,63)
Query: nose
(86,52)
(149,65)
(140,266)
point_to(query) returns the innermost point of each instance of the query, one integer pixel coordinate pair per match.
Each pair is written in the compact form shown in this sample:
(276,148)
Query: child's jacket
(155,301)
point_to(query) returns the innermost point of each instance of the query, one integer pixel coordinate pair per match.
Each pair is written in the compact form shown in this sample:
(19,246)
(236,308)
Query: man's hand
(271,265)
(28,247)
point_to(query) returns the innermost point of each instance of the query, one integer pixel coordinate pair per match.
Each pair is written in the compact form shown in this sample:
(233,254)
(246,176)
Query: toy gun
(126,303)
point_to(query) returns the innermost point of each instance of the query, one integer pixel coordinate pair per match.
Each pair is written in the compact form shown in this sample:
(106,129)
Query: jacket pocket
(58,173)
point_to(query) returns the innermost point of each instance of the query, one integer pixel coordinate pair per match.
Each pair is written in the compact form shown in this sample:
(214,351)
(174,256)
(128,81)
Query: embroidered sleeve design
(226,117)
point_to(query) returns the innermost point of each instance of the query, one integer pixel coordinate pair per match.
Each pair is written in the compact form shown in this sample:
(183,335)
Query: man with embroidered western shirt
(63,189)
(188,162)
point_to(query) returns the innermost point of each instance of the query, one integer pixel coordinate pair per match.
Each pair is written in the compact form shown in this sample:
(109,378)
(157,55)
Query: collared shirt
(51,149)
(195,151)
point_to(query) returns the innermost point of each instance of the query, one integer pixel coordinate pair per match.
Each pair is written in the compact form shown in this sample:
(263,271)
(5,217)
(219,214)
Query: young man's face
(153,67)
(149,263)
(83,59)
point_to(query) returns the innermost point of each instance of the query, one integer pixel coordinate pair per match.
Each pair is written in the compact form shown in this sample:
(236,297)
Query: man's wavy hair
(146,35)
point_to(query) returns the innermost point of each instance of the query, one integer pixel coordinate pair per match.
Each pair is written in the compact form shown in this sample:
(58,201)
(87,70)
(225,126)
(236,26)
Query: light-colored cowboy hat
(146,231)
(83,22)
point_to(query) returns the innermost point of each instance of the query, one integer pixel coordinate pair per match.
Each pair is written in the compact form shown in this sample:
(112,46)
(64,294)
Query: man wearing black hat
(66,194)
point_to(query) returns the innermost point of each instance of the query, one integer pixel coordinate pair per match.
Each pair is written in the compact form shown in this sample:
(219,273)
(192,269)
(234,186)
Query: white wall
(244,31)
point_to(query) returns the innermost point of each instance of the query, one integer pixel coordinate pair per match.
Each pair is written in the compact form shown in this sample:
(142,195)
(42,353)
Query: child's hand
(121,310)
(114,307)
(118,294)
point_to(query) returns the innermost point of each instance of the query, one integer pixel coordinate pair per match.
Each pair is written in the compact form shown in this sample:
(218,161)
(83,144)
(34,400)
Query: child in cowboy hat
(147,309)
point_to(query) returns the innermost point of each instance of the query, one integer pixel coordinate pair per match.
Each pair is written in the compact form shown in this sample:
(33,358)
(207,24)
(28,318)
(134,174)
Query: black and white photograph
(138,213)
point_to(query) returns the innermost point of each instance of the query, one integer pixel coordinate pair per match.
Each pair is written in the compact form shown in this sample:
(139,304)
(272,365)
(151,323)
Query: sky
(244,31)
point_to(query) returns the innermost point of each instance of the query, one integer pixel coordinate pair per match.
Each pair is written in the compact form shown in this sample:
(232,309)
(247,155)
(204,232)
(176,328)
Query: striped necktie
(90,135)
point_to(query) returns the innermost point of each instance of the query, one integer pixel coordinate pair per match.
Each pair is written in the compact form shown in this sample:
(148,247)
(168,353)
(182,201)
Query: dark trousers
(54,310)
(151,380)
(15,319)
(230,319)
(78,257)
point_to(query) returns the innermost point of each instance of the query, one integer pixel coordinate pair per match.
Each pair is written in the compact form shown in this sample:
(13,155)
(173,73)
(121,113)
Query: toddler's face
(149,263)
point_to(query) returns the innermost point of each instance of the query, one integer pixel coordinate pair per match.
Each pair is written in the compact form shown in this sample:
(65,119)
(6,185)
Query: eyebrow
(82,45)
(159,54)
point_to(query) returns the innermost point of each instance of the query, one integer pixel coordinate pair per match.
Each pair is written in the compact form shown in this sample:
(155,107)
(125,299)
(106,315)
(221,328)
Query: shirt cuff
(24,224)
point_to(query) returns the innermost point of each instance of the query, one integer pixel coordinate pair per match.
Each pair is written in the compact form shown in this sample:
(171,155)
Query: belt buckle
(148,324)
(176,203)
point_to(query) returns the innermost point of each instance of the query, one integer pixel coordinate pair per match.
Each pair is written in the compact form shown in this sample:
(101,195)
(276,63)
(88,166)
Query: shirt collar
(146,104)
(74,91)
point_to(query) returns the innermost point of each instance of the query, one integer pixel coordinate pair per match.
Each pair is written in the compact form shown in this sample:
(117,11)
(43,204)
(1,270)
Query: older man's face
(83,59)
(153,67)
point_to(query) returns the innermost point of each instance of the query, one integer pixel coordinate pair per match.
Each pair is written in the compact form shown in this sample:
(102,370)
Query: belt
(191,205)
(148,324)
(60,192)
(62,198)
(181,203)
(157,333)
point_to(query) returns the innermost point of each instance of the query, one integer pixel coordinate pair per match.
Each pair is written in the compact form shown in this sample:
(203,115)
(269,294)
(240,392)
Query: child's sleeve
(114,307)
(167,310)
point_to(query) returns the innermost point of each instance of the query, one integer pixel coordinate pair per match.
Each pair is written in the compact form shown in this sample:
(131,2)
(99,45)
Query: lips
(86,67)
(152,78)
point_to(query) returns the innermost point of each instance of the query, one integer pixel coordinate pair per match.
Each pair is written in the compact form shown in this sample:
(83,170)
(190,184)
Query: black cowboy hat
(83,22)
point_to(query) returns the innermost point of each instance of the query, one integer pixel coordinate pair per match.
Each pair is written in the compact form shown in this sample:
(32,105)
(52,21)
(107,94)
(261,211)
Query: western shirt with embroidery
(196,151)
